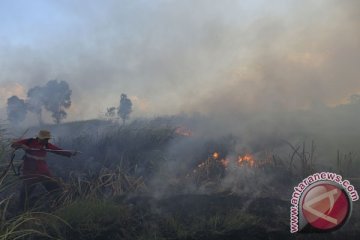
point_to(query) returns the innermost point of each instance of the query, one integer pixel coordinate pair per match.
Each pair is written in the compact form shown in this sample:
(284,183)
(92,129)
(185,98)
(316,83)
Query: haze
(222,59)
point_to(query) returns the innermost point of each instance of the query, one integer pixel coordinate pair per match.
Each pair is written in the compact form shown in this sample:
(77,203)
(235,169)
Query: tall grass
(31,224)
(107,183)
(15,225)
(113,160)
(119,164)
(137,149)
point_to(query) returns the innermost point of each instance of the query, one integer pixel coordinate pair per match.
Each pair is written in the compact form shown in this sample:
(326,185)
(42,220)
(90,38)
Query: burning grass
(126,185)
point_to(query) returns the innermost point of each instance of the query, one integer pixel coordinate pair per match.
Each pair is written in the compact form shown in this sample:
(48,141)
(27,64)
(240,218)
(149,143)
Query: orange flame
(246,159)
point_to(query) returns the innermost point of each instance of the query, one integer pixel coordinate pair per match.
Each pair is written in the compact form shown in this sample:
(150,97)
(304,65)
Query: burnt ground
(189,217)
(178,215)
(212,216)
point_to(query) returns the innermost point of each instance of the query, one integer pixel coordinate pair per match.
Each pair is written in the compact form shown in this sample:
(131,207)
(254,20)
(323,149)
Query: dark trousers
(29,184)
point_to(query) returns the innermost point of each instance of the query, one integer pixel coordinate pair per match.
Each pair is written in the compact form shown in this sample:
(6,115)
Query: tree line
(55,98)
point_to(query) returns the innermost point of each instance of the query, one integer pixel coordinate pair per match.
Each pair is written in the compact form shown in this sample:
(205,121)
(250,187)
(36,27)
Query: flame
(246,159)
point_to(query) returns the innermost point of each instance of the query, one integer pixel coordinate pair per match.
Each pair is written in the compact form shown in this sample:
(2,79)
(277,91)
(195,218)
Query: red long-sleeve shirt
(34,161)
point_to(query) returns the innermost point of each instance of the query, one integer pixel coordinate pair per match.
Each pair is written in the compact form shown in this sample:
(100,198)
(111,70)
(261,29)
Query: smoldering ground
(263,74)
(250,69)
(246,77)
(157,172)
(169,160)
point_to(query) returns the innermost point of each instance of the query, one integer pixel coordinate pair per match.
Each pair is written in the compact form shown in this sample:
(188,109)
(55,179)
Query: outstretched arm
(60,151)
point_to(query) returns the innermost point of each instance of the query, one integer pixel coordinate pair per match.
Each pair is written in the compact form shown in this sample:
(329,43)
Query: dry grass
(120,163)
(106,183)
(28,224)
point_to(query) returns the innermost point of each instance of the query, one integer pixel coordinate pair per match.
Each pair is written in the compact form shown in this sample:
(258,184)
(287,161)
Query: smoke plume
(195,56)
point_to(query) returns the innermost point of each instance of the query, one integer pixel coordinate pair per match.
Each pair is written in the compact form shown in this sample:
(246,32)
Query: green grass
(96,219)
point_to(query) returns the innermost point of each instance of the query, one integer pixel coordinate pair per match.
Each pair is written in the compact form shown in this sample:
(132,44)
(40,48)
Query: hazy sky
(217,57)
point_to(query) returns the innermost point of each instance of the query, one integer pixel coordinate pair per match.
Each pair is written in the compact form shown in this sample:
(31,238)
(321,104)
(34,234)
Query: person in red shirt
(35,169)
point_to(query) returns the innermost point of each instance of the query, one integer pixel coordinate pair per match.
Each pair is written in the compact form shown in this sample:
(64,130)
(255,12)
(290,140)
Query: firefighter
(35,169)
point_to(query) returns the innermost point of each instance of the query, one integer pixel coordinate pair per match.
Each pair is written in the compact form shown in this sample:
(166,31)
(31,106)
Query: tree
(125,107)
(16,109)
(57,98)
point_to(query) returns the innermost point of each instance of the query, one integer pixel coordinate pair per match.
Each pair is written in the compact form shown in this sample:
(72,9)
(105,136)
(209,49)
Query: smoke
(54,97)
(262,71)
(16,109)
(35,101)
(196,56)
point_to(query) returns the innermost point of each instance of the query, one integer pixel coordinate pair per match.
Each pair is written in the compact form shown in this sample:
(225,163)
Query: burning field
(147,180)
(178,120)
